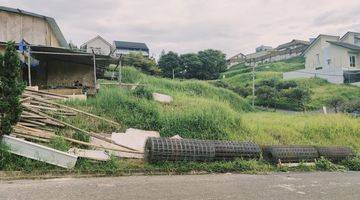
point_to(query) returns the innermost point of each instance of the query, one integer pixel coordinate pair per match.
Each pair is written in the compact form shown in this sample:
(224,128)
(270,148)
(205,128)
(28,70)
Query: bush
(351,106)
(335,103)
(352,163)
(143,92)
(324,164)
(11,88)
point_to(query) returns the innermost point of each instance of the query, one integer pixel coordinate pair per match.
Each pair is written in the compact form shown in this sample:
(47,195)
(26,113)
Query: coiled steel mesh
(166,149)
(290,153)
(229,150)
(335,154)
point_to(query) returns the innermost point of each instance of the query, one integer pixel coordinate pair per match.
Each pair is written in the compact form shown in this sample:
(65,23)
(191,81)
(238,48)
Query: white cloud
(191,25)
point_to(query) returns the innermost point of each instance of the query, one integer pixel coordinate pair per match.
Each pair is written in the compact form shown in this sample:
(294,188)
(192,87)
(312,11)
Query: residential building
(98,45)
(238,58)
(123,48)
(333,58)
(263,48)
(17,25)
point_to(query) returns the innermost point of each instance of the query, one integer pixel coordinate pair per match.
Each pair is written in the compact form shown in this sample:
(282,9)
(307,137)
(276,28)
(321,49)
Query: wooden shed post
(94,58)
(29,66)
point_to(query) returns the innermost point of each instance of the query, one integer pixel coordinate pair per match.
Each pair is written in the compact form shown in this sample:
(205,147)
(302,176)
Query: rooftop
(131,45)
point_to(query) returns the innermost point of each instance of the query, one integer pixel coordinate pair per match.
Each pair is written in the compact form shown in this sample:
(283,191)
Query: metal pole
(29,66)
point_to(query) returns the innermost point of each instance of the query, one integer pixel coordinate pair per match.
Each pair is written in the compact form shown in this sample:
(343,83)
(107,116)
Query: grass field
(199,110)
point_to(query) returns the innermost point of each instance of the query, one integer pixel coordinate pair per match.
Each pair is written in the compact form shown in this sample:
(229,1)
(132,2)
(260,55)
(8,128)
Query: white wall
(99,46)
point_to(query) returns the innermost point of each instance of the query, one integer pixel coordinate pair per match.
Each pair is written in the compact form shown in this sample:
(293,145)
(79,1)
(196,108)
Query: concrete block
(162,98)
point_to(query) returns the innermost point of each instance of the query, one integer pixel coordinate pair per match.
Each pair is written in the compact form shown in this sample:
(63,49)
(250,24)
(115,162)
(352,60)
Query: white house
(332,58)
(123,48)
(99,45)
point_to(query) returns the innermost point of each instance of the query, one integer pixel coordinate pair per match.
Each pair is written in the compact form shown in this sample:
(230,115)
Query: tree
(170,65)
(141,62)
(213,63)
(192,65)
(11,88)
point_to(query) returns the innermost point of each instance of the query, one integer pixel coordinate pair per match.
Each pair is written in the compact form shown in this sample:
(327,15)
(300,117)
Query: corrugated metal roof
(131,45)
(51,21)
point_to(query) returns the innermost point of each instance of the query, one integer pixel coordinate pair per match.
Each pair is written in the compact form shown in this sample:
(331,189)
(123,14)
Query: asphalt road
(225,186)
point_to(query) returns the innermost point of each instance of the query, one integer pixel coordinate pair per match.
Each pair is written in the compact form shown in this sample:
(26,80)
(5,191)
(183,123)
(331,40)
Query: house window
(352,61)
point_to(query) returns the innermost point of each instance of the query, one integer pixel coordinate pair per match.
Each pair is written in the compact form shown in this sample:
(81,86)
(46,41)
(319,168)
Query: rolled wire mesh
(166,149)
(229,150)
(335,154)
(290,153)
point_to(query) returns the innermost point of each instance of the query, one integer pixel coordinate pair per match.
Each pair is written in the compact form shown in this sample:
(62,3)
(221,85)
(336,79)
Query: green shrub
(352,163)
(324,164)
(143,92)
(351,106)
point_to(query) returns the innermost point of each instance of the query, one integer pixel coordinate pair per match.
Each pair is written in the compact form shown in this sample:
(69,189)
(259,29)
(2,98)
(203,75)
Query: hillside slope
(239,78)
(200,110)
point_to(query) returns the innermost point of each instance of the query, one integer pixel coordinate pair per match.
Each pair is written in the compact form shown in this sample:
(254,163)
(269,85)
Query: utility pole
(173,73)
(253,85)
(120,70)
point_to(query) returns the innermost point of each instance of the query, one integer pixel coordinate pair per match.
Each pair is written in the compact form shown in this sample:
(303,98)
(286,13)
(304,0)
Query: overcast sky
(183,26)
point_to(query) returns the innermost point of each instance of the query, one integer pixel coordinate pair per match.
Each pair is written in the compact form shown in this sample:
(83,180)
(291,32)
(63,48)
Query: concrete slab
(38,152)
(134,138)
(115,153)
(162,98)
(99,155)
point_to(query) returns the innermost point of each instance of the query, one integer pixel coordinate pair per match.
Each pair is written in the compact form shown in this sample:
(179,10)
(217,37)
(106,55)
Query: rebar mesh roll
(335,154)
(229,150)
(166,149)
(291,153)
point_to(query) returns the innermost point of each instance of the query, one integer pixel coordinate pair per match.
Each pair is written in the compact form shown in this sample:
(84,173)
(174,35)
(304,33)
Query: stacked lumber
(41,118)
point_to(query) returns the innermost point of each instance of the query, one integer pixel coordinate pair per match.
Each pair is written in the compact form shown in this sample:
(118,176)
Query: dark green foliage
(143,92)
(170,65)
(11,89)
(277,93)
(205,65)
(336,102)
(351,106)
(324,164)
(352,163)
(192,65)
(266,96)
(213,63)
(141,62)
